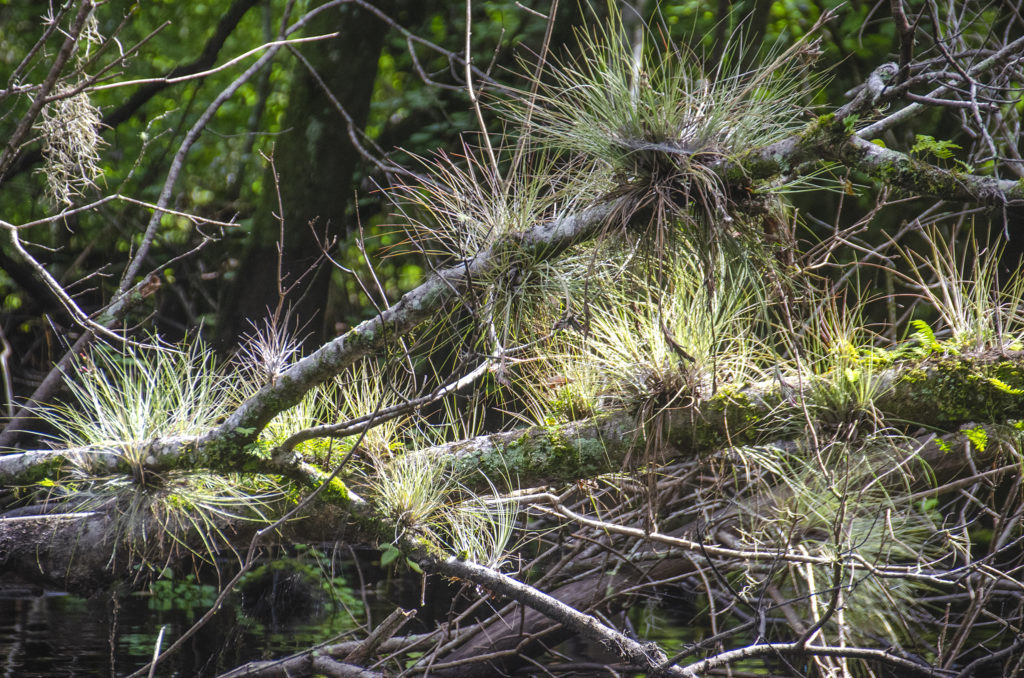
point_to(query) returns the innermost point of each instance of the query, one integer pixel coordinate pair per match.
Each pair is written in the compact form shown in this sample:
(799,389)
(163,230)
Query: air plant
(977,309)
(480,529)
(183,514)
(411,490)
(369,387)
(658,120)
(121,400)
(421,496)
(267,351)
(468,207)
(836,365)
(663,340)
(124,398)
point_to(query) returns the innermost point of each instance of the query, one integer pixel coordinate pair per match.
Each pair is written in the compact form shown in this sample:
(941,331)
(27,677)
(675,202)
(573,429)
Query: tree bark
(315,161)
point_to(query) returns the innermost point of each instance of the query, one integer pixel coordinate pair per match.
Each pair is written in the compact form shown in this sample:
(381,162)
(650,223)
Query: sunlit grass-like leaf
(977,309)
(651,338)
(126,397)
(656,119)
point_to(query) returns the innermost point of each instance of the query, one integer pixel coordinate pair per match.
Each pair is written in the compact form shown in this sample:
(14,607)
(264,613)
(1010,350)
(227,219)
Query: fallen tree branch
(647,657)
(917,668)
(941,393)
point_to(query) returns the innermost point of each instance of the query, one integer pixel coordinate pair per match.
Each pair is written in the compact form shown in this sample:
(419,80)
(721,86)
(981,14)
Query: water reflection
(53,634)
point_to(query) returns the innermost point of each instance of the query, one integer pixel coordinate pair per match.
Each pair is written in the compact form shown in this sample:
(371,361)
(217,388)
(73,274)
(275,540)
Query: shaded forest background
(393,107)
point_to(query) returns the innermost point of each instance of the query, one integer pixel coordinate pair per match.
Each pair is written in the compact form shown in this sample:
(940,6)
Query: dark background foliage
(367,88)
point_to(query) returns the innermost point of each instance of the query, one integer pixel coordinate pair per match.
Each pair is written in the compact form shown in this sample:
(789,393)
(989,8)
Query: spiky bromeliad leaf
(657,117)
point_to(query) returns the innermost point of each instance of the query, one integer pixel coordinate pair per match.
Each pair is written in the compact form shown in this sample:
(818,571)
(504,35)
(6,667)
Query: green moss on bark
(955,390)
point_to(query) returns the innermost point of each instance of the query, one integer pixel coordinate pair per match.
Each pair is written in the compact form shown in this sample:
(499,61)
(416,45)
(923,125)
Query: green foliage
(170,593)
(925,337)
(1004,387)
(939,148)
(845,369)
(978,436)
(389,553)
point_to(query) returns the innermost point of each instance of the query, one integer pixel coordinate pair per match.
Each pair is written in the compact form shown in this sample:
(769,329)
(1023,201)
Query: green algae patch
(955,390)
(337,491)
(550,452)
(730,417)
(34,473)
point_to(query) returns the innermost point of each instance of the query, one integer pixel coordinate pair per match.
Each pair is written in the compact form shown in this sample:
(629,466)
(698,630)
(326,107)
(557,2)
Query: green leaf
(925,337)
(413,657)
(389,554)
(1004,387)
(939,148)
(413,566)
(978,436)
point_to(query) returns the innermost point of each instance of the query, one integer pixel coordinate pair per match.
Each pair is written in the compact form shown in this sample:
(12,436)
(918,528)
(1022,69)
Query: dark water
(51,635)
(286,610)
(289,603)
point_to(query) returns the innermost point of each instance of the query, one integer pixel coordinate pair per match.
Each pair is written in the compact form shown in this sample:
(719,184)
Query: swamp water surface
(51,635)
(280,610)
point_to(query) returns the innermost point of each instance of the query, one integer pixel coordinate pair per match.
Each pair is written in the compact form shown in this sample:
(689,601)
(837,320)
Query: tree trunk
(315,160)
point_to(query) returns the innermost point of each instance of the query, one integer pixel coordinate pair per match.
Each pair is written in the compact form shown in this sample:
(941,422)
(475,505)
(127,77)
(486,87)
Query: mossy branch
(827,139)
(941,393)
(833,137)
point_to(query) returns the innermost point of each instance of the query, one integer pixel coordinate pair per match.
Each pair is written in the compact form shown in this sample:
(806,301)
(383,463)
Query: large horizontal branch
(41,549)
(899,170)
(827,139)
(940,394)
